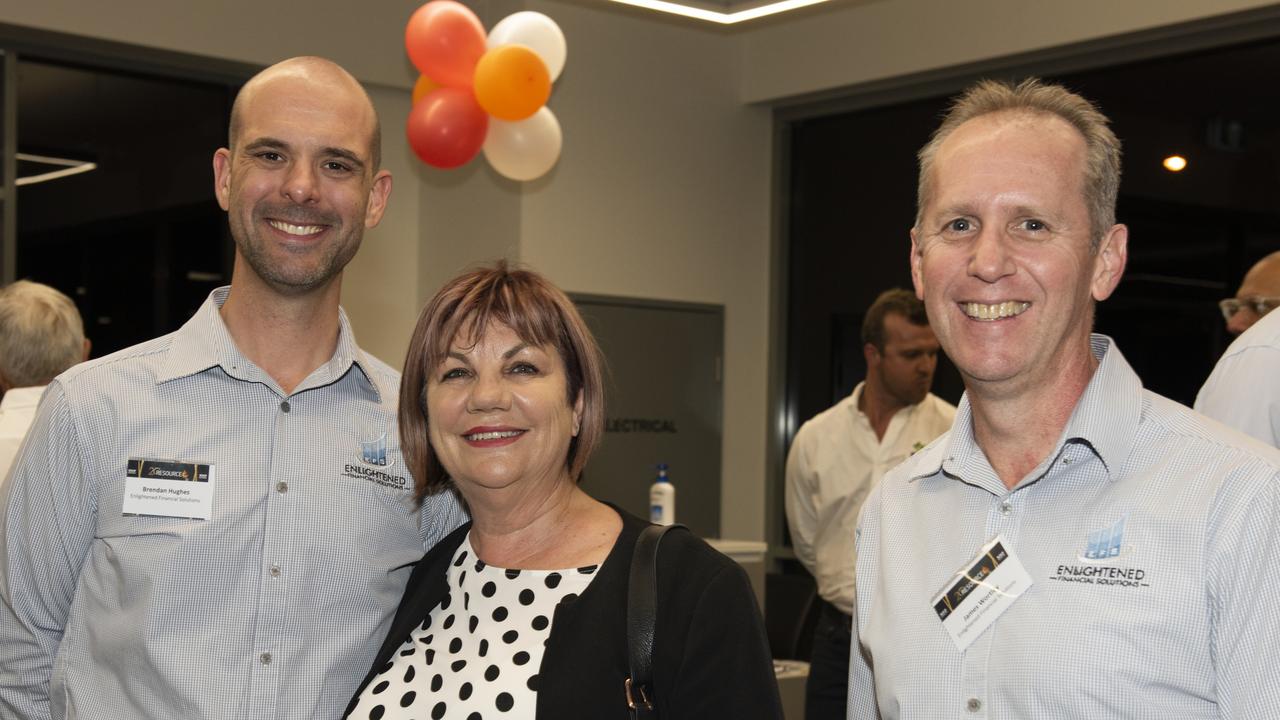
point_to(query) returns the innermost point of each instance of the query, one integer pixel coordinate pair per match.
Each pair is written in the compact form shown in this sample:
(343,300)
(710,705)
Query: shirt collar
(856,396)
(204,342)
(1105,420)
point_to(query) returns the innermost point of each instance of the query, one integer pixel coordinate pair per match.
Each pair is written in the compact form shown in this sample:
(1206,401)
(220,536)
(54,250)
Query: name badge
(980,592)
(168,488)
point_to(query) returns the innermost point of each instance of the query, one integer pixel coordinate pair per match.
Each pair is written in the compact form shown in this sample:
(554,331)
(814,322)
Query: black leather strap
(642,607)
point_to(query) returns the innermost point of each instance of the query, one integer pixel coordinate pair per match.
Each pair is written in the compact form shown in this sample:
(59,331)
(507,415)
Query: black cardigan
(710,655)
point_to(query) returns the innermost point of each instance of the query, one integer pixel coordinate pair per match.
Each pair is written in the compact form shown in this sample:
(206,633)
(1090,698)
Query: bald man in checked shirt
(216,523)
(1076,546)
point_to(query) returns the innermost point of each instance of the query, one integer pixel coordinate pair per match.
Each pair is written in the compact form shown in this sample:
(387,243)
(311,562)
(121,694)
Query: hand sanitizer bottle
(662,499)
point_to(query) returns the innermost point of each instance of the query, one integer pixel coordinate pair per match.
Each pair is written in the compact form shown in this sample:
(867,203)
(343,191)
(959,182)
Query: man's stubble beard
(314,272)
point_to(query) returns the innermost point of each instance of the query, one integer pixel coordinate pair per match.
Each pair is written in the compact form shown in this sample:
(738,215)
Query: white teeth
(998,311)
(295,229)
(493,435)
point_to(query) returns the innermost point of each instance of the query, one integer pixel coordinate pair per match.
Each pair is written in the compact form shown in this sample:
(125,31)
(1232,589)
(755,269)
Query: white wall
(853,43)
(663,192)
(252,31)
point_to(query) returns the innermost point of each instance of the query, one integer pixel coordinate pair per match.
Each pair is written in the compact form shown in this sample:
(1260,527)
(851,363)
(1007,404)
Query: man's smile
(994,311)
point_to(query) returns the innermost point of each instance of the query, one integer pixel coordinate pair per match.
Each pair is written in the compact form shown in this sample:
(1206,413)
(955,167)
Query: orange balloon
(422,87)
(512,82)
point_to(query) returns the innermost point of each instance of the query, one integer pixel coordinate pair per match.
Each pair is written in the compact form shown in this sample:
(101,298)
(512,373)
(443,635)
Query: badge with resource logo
(168,488)
(980,592)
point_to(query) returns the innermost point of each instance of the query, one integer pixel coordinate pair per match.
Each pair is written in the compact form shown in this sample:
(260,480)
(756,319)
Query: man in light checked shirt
(1075,546)
(216,523)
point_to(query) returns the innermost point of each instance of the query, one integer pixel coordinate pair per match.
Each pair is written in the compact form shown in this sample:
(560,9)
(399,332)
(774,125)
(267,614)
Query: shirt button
(974,705)
(265,659)
(282,487)
(275,570)
(1006,507)
(285,407)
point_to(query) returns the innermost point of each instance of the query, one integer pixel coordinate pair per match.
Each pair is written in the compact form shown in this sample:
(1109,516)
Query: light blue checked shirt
(1177,617)
(272,608)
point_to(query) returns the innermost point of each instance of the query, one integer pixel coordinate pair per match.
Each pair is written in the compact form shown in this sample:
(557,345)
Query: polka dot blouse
(477,654)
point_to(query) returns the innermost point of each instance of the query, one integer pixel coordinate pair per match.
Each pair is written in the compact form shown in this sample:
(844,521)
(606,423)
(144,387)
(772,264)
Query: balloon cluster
(477,92)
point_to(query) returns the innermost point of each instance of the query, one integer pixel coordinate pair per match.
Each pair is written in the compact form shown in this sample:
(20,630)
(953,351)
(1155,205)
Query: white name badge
(168,488)
(980,592)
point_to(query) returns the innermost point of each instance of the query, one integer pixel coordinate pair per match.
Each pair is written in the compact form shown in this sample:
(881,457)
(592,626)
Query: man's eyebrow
(345,154)
(953,210)
(266,143)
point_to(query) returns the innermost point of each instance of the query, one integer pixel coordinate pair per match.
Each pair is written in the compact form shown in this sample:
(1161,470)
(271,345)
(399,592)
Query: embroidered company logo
(1105,544)
(374,464)
(374,452)
(1098,565)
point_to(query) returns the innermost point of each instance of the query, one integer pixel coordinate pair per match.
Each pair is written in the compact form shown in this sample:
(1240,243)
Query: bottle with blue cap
(662,499)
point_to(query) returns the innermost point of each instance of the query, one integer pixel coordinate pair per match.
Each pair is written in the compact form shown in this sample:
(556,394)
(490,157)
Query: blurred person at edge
(839,455)
(1075,546)
(1258,295)
(259,591)
(1243,390)
(41,334)
(522,613)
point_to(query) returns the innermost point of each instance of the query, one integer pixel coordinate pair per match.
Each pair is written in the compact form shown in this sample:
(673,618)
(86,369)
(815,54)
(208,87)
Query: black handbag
(642,612)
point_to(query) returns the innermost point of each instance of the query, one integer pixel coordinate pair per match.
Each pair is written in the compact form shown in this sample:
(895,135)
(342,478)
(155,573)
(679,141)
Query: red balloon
(447,128)
(445,40)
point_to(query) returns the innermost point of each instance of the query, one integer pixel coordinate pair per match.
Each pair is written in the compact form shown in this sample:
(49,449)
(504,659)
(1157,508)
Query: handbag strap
(642,607)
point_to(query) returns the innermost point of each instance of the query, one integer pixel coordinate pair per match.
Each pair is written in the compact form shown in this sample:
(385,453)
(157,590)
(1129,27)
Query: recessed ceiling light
(1174,163)
(717,16)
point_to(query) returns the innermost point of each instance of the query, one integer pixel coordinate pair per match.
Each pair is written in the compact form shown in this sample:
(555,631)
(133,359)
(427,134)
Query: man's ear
(378,194)
(917,277)
(222,177)
(871,354)
(1109,262)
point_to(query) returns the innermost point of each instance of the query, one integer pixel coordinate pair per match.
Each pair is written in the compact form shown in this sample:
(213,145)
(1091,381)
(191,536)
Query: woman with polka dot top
(522,612)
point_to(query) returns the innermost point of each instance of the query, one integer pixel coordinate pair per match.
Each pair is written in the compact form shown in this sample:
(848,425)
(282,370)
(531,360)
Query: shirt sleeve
(441,514)
(1243,574)
(47,520)
(802,512)
(726,671)
(1243,391)
(862,690)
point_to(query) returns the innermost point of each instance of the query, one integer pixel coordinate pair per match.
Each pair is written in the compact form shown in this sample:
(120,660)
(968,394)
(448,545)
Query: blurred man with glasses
(1244,389)
(1258,295)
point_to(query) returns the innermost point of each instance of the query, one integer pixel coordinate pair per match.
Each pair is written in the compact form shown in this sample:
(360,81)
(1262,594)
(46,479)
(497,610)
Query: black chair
(791,612)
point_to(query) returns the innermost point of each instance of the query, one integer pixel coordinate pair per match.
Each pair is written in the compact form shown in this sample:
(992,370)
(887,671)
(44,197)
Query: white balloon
(525,149)
(535,31)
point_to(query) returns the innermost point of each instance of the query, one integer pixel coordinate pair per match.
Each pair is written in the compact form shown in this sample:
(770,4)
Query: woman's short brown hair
(540,314)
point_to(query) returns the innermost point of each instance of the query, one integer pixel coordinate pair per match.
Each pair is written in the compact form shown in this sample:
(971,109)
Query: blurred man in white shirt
(1244,389)
(840,454)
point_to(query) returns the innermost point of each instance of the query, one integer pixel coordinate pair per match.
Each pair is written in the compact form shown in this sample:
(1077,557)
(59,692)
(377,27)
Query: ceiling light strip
(54,174)
(71,167)
(722,18)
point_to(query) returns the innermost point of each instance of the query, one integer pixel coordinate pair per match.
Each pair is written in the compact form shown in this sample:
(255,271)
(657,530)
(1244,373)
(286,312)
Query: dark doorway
(138,241)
